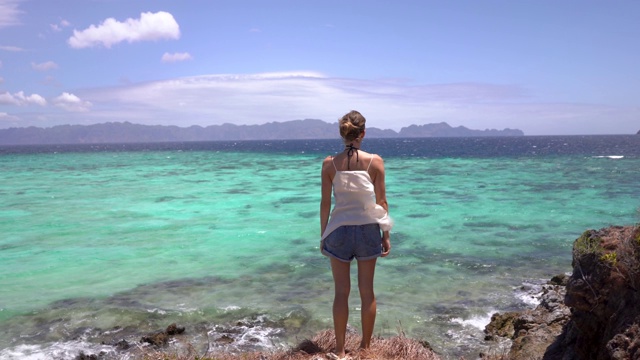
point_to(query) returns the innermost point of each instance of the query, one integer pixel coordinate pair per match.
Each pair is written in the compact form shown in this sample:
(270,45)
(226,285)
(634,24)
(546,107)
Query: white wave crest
(614,157)
(58,350)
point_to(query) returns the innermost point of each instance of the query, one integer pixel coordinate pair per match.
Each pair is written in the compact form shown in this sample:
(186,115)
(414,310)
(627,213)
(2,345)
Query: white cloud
(175,57)
(9,13)
(20,99)
(387,104)
(11,48)
(45,66)
(150,26)
(58,27)
(71,102)
(4,117)
(260,98)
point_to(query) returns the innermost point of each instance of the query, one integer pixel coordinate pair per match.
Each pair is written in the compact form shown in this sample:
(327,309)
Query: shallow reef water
(127,239)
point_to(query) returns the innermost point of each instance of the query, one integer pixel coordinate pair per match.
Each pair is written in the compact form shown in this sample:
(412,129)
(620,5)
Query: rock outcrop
(600,317)
(533,331)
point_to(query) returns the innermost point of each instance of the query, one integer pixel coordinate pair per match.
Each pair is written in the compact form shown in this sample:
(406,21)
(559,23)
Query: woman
(353,228)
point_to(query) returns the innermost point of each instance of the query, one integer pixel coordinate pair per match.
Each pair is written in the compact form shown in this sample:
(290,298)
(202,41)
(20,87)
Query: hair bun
(352,125)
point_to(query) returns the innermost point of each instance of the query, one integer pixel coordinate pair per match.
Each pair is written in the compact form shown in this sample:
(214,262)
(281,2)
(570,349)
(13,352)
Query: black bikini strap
(352,149)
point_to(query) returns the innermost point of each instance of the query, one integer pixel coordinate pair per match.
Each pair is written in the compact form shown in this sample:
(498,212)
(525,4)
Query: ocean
(106,242)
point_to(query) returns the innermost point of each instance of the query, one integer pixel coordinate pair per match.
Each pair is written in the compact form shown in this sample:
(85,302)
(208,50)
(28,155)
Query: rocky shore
(592,314)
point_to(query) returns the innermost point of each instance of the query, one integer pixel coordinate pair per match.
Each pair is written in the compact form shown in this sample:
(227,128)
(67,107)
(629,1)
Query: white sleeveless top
(355,202)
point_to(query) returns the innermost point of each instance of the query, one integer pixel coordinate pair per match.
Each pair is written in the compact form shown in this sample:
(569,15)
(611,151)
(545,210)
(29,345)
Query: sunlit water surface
(97,238)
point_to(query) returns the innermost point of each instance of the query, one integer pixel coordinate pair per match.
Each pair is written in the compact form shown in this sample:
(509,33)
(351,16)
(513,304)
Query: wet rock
(295,320)
(535,330)
(122,345)
(158,339)
(83,356)
(501,325)
(161,338)
(225,339)
(561,279)
(119,345)
(174,329)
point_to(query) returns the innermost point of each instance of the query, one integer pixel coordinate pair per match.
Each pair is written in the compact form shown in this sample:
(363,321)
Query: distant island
(126,132)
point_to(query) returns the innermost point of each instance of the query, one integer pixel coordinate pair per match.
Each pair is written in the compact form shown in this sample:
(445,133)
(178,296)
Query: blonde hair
(352,125)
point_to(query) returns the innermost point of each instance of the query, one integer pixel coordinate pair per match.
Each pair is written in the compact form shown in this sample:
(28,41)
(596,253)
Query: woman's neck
(352,144)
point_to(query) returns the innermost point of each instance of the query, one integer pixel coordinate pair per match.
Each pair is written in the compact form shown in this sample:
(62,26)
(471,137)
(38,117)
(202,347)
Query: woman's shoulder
(377,162)
(375,157)
(327,162)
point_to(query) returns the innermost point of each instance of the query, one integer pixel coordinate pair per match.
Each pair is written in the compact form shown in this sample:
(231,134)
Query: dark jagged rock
(501,325)
(561,279)
(603,296)
(161,338)
(83,356)
(173,329)
(591,315)
(532,331)
(536,330)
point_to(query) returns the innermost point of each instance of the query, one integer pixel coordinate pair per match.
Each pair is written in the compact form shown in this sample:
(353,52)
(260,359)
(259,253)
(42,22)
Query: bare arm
(325,202)
(379,188)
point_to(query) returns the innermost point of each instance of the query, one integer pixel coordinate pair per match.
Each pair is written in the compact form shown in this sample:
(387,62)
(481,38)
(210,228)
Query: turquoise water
(93,241)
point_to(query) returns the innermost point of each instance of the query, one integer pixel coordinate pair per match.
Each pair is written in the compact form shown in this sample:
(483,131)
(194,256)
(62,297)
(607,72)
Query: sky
(546,67)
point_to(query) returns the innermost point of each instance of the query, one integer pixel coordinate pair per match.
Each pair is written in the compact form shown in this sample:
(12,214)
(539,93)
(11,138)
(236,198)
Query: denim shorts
(363,242)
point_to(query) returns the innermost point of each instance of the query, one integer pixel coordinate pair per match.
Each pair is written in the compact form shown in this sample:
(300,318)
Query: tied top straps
(348,169)
(352,149)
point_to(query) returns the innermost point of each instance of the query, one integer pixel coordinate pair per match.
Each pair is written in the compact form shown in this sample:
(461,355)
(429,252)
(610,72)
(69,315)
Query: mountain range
(126,132)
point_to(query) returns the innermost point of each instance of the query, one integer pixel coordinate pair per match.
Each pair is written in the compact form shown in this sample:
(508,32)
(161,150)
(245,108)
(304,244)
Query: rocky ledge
(592,314)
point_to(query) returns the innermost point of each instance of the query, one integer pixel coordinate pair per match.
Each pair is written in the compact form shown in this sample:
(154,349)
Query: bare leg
(342,284)
(366,270)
